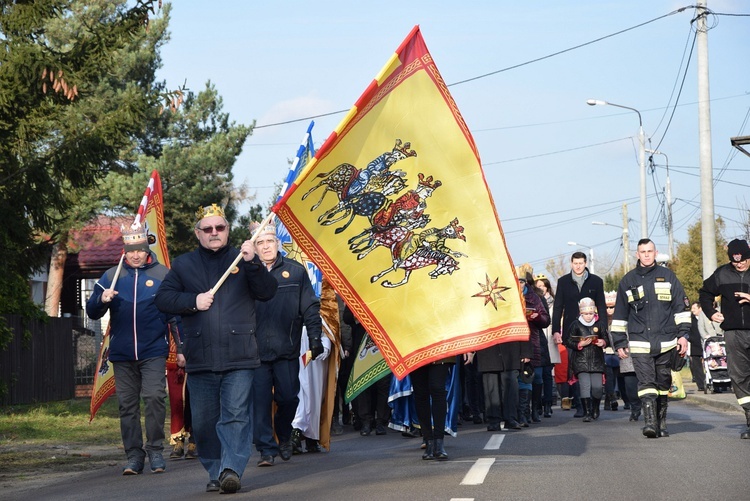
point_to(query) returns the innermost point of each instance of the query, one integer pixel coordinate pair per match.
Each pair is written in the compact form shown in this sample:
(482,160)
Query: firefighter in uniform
(653,311)
(732,283)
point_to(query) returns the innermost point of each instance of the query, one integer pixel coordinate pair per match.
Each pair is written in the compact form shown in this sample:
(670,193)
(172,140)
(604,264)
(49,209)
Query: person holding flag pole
(138,346)
(220,347)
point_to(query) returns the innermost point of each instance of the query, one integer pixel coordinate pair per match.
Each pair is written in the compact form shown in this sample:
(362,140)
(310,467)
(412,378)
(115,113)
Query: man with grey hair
(220,348)
(279,333)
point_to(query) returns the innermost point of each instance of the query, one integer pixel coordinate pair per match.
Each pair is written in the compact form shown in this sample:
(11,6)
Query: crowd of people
(245,321)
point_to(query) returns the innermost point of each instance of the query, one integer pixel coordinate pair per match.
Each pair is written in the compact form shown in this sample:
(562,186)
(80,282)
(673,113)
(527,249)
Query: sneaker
(192,452)
(156,460)
(177,451)
(134,467)
(229,482)
(366,430)
(213,486)
(380,430)
(265,461)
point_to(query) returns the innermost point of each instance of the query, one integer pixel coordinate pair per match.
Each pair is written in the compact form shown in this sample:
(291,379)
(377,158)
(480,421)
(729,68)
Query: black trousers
(430,398)
(654,374)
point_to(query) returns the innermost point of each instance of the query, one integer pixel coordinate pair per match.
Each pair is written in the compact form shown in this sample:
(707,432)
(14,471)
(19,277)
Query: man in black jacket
(280,323)
(651,323)
(571,288)
(219,342)
(732,282)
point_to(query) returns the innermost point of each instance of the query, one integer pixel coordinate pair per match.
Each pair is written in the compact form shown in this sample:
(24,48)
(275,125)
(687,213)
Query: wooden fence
(40,368)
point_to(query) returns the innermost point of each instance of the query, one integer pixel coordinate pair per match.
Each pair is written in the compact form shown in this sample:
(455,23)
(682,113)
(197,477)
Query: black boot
(595,403)
(536,403)
(548,409)
(523,408)
(612,403)
(746,434)
(635,411)
(428,449)
(439,451)
(608,401)
(296,441)
(661,413)
(586,403)
(650,428)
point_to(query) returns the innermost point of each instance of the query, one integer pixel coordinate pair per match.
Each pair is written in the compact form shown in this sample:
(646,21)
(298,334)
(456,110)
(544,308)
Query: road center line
(495,441)
(478,472)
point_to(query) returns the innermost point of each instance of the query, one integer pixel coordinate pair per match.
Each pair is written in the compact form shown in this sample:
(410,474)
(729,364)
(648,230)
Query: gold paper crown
(208,211)
(610,297)
(134,237)
(268,229)
(587,305)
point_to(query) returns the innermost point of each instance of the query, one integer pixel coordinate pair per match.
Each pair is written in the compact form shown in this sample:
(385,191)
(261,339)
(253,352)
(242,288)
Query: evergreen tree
(198,152)
(58,135)
(689,263)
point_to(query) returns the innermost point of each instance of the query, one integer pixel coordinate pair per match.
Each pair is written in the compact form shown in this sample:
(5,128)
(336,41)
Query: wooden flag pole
(117,273)
(263,224)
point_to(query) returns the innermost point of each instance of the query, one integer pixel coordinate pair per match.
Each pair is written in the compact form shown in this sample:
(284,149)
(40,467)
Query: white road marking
(462,499)
(495,441)
(478,472)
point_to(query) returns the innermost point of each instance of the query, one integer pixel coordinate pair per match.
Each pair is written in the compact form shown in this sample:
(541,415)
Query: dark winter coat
(724,282)
(565,309)
(280,320)
(138,330)
(536,326)
(651,311)
(590,358)
(507,356)
(221,338)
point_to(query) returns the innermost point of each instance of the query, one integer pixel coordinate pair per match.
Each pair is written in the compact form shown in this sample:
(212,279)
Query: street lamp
(625,240)
(591,253)
(641,160)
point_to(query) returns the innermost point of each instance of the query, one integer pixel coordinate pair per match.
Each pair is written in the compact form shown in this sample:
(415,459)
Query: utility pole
(625,237)
(708,226)
(670,229)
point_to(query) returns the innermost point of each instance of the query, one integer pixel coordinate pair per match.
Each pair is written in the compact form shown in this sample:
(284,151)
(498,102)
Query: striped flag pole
(305,152)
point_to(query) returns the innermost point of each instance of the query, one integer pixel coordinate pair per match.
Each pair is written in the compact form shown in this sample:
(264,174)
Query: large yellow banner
(395,210)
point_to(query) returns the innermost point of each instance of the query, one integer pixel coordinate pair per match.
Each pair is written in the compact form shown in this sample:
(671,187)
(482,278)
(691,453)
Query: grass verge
(56,437)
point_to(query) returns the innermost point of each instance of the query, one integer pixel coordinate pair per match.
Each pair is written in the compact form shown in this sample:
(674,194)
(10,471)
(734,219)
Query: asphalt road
(559,459)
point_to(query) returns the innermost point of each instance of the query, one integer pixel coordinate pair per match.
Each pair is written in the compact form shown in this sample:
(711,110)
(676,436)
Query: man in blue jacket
(280,323)
(138,347)
(219,342)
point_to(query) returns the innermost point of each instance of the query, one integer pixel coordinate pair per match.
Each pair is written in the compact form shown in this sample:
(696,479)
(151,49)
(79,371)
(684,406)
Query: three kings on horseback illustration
(396,221)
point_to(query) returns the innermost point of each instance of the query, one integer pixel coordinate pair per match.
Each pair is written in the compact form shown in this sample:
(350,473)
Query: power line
(503,69)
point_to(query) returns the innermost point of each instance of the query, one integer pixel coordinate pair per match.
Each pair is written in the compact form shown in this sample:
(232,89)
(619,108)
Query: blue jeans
(221,407)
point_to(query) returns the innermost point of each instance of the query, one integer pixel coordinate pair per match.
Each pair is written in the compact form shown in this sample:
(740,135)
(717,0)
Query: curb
(722,401)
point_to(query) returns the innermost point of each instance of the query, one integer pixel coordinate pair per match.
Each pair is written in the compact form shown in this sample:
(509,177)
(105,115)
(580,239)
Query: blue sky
(553,163)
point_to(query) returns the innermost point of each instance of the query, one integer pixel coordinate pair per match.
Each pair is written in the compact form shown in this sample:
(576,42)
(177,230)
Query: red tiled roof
(97,246)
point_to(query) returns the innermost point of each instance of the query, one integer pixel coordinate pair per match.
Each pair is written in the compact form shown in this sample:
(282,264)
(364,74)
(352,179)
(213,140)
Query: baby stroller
(715,365)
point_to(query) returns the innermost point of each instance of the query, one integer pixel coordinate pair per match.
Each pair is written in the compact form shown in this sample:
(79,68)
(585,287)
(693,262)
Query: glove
(316,347)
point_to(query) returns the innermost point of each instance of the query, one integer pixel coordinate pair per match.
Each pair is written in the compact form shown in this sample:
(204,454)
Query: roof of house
(97,246)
